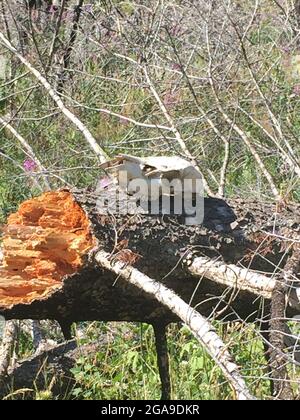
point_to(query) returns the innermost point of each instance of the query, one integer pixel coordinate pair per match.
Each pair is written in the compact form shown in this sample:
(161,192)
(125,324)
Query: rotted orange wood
(43,241)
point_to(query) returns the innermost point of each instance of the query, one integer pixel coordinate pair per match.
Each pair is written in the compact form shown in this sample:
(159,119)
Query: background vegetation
(218,82)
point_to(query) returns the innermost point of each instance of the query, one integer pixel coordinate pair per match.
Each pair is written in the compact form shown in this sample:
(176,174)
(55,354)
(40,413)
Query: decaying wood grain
(44,241)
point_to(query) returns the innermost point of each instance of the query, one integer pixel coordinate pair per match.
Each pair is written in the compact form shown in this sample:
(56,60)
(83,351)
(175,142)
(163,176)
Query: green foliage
(126,369)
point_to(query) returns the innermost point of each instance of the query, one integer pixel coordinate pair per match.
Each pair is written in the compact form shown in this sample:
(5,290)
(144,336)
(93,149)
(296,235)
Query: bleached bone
(153,169)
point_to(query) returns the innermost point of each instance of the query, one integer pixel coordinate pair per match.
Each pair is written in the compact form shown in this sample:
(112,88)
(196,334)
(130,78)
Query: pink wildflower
(29,165)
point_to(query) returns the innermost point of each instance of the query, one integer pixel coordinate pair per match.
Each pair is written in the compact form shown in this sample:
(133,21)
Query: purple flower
(175,66)
(296,90)
(123,121)
(29,165)
(170,99)
(105,182)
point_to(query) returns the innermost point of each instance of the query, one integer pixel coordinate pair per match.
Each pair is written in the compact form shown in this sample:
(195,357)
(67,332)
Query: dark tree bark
(69,48)
(278,360)
(163,359)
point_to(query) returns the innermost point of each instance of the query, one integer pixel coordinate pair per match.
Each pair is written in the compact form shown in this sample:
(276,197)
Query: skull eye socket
(148,169)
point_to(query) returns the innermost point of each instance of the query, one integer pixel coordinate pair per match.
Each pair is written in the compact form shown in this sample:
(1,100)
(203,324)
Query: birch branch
(233,276)
(199,326)
(101,154)
(242,279)
(246,139)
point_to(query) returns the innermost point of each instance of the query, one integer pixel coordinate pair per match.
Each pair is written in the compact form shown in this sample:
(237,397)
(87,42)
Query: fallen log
(224,268)
(49,269)
(32,374)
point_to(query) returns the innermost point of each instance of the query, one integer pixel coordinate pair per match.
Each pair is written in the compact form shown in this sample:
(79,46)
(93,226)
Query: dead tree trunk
(49,269)
(228,271)
(278,361)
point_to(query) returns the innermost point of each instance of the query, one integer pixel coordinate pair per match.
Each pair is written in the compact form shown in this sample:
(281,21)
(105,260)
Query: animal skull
(153,169)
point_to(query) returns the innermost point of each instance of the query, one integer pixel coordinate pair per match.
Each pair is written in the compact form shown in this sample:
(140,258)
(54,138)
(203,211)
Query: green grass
(126,366)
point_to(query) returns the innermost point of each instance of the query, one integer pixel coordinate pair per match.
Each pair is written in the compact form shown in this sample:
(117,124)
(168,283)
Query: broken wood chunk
(43,241)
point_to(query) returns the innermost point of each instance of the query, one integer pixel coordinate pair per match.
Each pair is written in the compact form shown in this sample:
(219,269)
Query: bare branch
(178,137)
(242,279)
(102,156)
